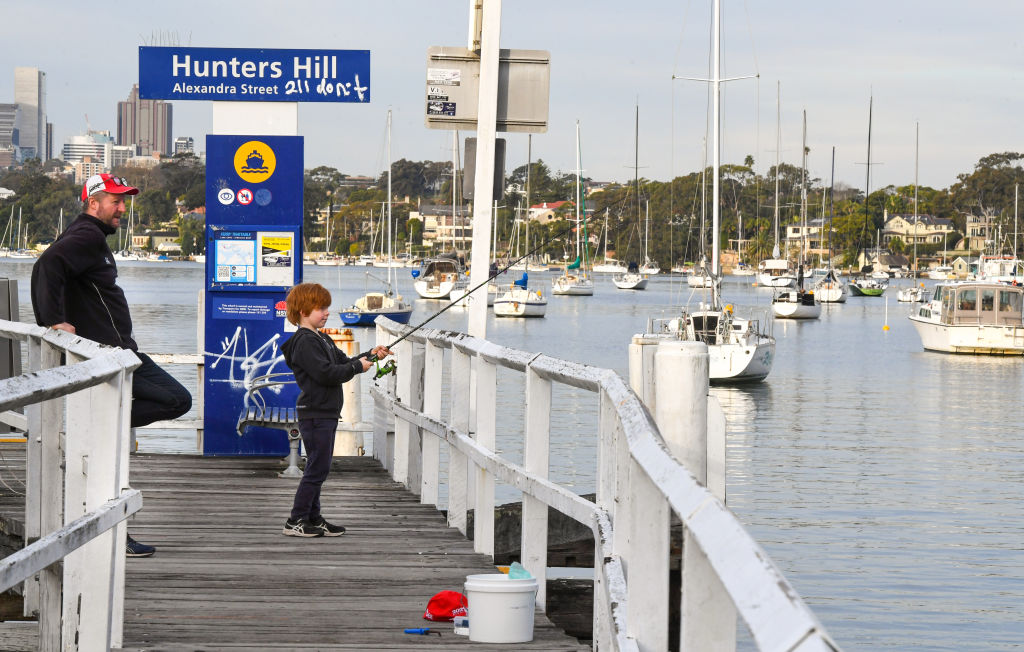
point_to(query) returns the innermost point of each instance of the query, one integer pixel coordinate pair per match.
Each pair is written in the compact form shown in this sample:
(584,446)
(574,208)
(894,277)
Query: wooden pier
(224,577)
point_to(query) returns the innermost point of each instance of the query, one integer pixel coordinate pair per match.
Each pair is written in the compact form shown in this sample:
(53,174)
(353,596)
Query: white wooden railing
(640,483)
(76,497)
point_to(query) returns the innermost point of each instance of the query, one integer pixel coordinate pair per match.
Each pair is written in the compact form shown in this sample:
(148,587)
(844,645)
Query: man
(74,289)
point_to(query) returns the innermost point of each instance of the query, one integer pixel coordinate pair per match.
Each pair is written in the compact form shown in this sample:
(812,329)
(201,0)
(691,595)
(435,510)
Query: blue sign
(253,257)
(254,75)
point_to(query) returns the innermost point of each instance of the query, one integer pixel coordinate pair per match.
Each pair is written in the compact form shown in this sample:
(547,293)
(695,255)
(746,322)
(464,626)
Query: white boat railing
(640,483)
(76,396)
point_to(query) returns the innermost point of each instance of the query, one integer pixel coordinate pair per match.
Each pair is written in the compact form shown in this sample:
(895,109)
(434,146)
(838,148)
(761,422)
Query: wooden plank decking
(224,577)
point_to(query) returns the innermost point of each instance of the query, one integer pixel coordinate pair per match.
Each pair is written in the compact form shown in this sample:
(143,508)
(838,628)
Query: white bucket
(500,609)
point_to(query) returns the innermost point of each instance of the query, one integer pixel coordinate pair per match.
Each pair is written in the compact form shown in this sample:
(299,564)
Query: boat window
(1009,301)
(988,299)
(967,299)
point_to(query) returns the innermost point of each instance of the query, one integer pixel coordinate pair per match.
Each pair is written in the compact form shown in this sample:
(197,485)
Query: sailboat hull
(572,286)
(630,281)
(520,303)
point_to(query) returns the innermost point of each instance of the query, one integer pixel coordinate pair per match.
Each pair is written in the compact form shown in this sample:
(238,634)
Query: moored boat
(439,277)
(520,300)
(974,318)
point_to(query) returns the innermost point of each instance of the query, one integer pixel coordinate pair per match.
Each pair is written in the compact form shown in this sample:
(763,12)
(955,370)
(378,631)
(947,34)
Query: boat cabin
(993,304)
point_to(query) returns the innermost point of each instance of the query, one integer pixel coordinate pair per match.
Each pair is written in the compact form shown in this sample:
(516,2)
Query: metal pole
(717,154)
(484,183)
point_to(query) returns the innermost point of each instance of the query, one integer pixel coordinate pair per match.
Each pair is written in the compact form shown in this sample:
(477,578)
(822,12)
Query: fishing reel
(389,367)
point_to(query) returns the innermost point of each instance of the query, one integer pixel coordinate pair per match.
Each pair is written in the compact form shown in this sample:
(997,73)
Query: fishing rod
(390,366)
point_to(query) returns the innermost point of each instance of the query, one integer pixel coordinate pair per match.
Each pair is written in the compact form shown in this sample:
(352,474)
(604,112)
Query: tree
(897,246)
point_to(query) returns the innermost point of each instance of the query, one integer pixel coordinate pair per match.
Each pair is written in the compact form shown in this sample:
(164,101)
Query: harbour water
(885,482)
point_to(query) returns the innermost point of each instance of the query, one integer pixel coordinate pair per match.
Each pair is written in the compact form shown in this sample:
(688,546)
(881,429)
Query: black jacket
(75,281)
(320,368)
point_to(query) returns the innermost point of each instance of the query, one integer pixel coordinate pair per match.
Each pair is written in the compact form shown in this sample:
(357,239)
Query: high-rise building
(145,123)
(184,145)
(8,125)
(97,145)
(30,95)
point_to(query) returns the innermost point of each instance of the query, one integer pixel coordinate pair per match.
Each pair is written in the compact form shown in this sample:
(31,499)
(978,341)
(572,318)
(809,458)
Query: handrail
(775,615)
(76,395)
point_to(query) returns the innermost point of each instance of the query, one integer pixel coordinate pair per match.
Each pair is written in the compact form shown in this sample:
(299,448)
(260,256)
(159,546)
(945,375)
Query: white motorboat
(972,317)
(700,280)
(941,273)
(520,300)
(775,273)
(439,277)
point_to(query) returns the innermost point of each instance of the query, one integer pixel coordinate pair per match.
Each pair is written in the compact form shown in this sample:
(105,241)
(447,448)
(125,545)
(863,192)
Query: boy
(319,368)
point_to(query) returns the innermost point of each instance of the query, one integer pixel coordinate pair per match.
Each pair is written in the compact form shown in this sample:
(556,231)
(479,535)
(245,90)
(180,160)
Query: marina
(881,478)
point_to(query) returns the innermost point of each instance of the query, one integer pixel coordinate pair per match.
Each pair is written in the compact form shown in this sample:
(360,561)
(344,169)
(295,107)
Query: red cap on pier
(445,606)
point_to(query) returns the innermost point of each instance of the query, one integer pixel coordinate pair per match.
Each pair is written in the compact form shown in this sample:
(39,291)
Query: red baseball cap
(107,183)
(445,606)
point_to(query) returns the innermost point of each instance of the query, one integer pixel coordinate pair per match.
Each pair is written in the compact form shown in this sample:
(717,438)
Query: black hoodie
(320,368)
(75,281)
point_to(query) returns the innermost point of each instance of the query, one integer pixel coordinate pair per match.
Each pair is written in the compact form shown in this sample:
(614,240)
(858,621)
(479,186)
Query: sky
(953,68)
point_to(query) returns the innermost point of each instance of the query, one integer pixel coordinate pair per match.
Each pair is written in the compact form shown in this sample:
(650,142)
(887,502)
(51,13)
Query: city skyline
(956,78)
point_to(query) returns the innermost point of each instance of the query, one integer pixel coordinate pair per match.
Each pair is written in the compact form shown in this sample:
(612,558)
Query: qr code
(224,274)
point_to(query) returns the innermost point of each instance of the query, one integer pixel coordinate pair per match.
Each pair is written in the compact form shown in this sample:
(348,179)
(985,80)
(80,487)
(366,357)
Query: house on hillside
(924,229)
(548,211)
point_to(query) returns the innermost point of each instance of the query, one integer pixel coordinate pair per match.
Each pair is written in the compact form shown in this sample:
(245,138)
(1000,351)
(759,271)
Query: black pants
(318,436)
(156,395)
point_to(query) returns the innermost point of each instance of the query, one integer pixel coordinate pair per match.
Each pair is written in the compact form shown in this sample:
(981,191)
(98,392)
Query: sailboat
(864,286)
(829,288)
(610,265)
(632,278)
(649,266)
(739,349)
(774,272)
(22,250)
(374,304)
(520,300)
(915,293)
(575,278)
(797,303)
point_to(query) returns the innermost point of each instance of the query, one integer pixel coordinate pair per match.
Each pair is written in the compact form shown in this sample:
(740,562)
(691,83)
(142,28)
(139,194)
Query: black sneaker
(300,527)
(135,549)
(328,529)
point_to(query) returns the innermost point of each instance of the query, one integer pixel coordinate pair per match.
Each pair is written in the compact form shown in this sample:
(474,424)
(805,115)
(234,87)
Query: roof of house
(927,220)
(550,205)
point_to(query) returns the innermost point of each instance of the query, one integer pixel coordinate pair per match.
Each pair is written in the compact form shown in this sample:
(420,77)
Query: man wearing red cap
(74,289)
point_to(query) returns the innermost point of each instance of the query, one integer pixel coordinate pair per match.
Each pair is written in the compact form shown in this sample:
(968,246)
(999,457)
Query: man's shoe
(328,529)
(300,527)
(135,549)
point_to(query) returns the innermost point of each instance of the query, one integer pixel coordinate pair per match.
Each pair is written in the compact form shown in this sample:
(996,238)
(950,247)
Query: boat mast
(778,148)
(803,196)
(867,181)
(578,173)
(716,144)
(390,269)
(636,179)
(916,217)
(529,163)
(831,205)
(455,177)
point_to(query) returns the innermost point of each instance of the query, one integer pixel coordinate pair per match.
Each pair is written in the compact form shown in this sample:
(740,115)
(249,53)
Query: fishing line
(501,271)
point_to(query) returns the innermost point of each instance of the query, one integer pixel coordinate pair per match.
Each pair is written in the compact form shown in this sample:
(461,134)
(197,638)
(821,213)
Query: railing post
(44,495)
(458,463)
(645,552)
(433,375)
(410,392)
(485,435)
(383,420)
(534,544)
(96,471)
(613,498)
(708,616)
